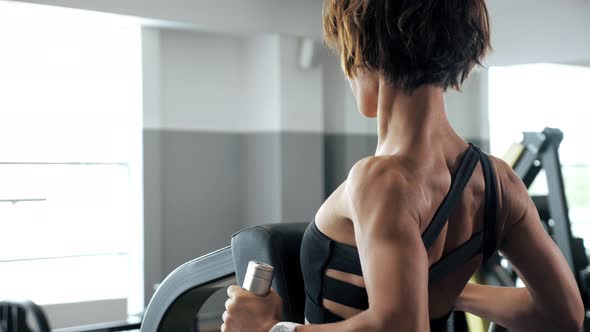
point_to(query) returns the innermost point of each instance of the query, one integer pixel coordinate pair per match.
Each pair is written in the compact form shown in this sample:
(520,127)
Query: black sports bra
(319,252)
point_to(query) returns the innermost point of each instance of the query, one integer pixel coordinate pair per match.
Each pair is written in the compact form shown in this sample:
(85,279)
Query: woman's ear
(365,88)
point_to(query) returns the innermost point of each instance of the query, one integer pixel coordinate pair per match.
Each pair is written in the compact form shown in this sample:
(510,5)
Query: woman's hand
(246,312)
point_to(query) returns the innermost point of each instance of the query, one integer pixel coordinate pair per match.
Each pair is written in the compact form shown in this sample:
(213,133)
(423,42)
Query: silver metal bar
(177,301)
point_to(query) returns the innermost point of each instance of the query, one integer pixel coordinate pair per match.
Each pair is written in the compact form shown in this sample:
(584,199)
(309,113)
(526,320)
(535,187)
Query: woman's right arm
(551,300)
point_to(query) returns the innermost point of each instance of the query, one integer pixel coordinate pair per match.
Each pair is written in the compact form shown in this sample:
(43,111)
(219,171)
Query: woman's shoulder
(381,172)
(513,197)
(385,180)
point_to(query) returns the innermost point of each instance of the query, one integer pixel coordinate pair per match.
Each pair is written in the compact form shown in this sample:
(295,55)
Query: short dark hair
(409,42)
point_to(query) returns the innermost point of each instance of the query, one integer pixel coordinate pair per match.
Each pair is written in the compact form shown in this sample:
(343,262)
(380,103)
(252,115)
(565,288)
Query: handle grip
(258,278)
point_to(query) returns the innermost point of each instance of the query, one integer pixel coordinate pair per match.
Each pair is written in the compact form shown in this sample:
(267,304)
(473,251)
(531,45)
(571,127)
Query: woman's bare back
(431,180)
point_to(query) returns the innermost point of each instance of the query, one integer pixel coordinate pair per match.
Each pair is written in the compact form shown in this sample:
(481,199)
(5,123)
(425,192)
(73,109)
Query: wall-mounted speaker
(307,53)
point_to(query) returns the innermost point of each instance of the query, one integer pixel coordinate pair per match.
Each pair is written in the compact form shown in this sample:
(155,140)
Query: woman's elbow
(573,324)
(571,319)
(576,321)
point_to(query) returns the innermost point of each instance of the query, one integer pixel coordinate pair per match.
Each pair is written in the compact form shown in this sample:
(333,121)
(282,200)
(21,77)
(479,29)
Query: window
(531,97)
(70,166)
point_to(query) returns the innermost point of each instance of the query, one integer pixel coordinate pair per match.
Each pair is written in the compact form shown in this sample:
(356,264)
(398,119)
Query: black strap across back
(319,252)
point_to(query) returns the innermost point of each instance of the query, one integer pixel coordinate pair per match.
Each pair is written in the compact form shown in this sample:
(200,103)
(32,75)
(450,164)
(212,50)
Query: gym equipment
(26,316)
(175,304)
(15,316)
(539,151)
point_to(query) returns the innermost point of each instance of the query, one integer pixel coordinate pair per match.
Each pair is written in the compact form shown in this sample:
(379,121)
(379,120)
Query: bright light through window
(531,97)
(70,136)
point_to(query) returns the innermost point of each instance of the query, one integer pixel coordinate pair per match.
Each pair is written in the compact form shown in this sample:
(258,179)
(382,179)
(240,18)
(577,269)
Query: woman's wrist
(271,325)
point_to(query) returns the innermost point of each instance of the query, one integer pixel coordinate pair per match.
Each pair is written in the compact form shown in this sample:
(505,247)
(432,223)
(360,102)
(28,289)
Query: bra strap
(458,183)
(491,205)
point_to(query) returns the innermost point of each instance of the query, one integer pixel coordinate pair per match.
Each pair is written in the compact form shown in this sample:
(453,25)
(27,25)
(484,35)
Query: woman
(378,255)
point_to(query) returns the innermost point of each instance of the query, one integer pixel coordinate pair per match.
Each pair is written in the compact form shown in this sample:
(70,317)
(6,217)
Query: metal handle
(258,278)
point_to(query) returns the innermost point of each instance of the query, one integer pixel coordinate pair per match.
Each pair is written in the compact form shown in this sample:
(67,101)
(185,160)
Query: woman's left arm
(393,258)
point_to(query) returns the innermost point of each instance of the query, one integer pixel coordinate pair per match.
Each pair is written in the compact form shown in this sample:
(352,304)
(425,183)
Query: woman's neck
(408,123)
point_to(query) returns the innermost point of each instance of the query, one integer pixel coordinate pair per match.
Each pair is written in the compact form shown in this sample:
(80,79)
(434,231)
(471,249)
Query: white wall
(341,114)
(301,94)
(523,31)
(293,17)
(214,82)
(262,82)
(467,109)
(152,195)
(203,81)
(528,31)
(152,77)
